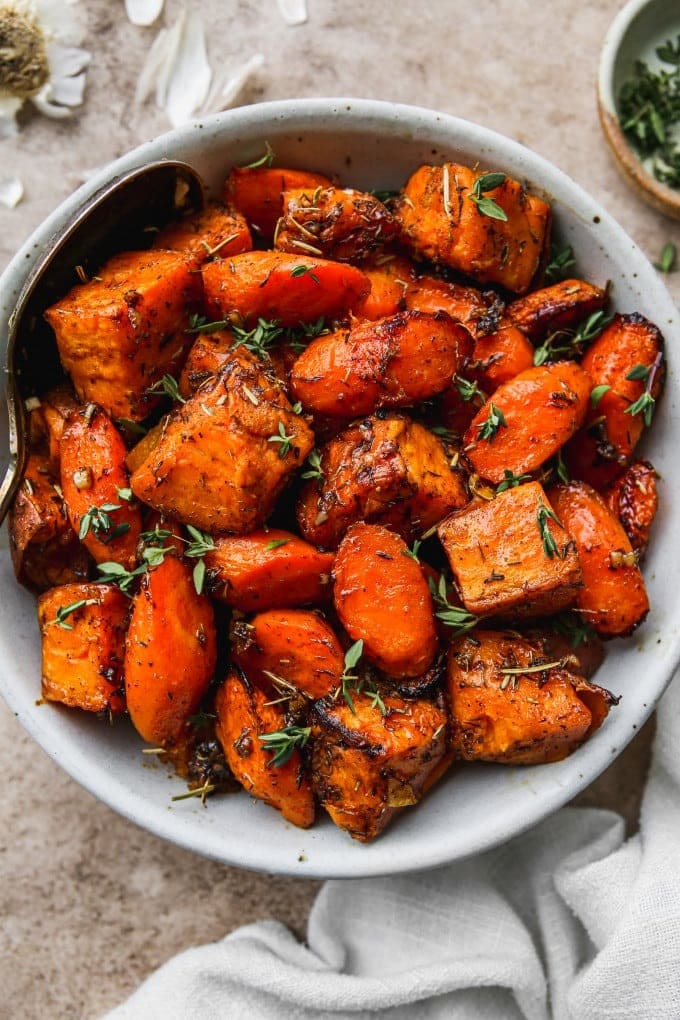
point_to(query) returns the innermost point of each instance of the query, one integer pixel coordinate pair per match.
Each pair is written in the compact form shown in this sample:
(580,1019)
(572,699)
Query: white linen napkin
(569,921)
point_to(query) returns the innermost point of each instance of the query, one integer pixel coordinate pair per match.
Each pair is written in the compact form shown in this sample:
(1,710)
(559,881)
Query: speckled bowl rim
(473,809)
(655,193)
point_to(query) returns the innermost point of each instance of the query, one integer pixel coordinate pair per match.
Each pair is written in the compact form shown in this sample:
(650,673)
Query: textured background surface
(89,904)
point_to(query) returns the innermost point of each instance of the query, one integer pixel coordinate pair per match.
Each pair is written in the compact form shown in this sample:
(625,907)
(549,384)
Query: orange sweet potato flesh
(517,718)
(382,598)
(393,362)
(270,569)
(275,285)
(214,230)
(365,766)
(440,222)
(170,652)
(210,351)
(498,557)
(45,549)
(430,294)
(93,470)
(257,192)
(542,407)
(389,276)
(216,464)
(296,645)
(629,341)
(613,599)
(500,356)
(340,223)
(633,498)
(560,306)
(141,450)
(56,407)
(243,715)
(119,334)
(388,470)
(82,657)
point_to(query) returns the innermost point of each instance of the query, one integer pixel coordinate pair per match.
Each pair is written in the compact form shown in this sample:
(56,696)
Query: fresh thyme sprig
(98,520)
(64,612)
(561,261)
(283,439)
(282,743)
(348,680)
(260,338)
(511,481)
(469,391)
(649,110)
(200,324)
(169,386)
(314,470)
(455,617)
(115,573)
(566,343)
(550,547)
(485,205)
(201,544)
(645,403)
(572,627)
(266,160)
(492,423)
(413,552)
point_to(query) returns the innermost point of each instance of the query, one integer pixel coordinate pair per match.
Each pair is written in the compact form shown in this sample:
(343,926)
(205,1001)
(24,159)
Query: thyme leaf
(282,743)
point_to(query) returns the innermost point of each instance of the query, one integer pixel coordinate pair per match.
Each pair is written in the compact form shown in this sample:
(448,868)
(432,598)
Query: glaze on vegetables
(339,490)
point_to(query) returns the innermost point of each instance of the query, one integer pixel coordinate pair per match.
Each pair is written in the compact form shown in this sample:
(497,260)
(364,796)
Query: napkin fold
(569,921)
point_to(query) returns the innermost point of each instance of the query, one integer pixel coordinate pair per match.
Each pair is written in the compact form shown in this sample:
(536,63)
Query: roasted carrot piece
(559,306)
(45,550)
(499,357)
(613,599)
(528,420)
(366,765)
(634,500)
(56,406)
(270,569)
(215,230)
(209,352)
(243,717)
(510,557)
(225,455)
(83,636)
(383,599)
(257,192)
(590,457)
(502,714)
(627,357)
(393,362)
(442,219)
(338,223)
(430,294)
(275,285)
(295,645)
(120,333)
(93,474)
(170,652)
(389,276)
(388,470)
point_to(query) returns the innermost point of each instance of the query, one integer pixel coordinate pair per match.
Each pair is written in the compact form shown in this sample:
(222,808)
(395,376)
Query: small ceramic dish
(369,145)
(635,33)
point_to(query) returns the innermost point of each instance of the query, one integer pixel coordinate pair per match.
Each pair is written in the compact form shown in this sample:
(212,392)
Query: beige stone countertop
(89,903)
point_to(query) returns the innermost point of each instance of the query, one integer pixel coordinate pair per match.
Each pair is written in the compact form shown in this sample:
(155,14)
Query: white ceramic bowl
(371,145)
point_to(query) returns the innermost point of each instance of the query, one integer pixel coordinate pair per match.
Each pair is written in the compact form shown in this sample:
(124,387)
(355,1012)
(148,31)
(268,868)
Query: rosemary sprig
(282,743)
(458,619)
(485,205)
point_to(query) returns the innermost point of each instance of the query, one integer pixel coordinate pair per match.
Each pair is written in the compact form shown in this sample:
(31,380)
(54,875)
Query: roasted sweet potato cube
(613,598)
(215,230)
(170,652)
(338,223)
(392,362)
(45,549)
(382,598)
(510,557)
(388,470)
(57,406)
(366,765)
(208,354)
(560,306)
(296,646)
(224,456)
(120,333)
(245,714)
(443,219)
(389,275)
(511,704)
(83,637)
(275,285)
(633,499)
(257,192)
(430,294)
(270,569)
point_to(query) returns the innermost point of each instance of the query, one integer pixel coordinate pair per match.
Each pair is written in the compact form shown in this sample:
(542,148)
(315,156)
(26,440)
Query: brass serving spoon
(120,216)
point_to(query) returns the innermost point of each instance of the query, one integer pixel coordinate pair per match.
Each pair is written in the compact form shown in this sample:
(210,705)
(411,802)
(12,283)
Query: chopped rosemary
(550,547)
(493,422)
(200,791)
(283,439)
(561,261)
(455,617)
(485,205)
(266,160)
(65,611)
(282,743)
